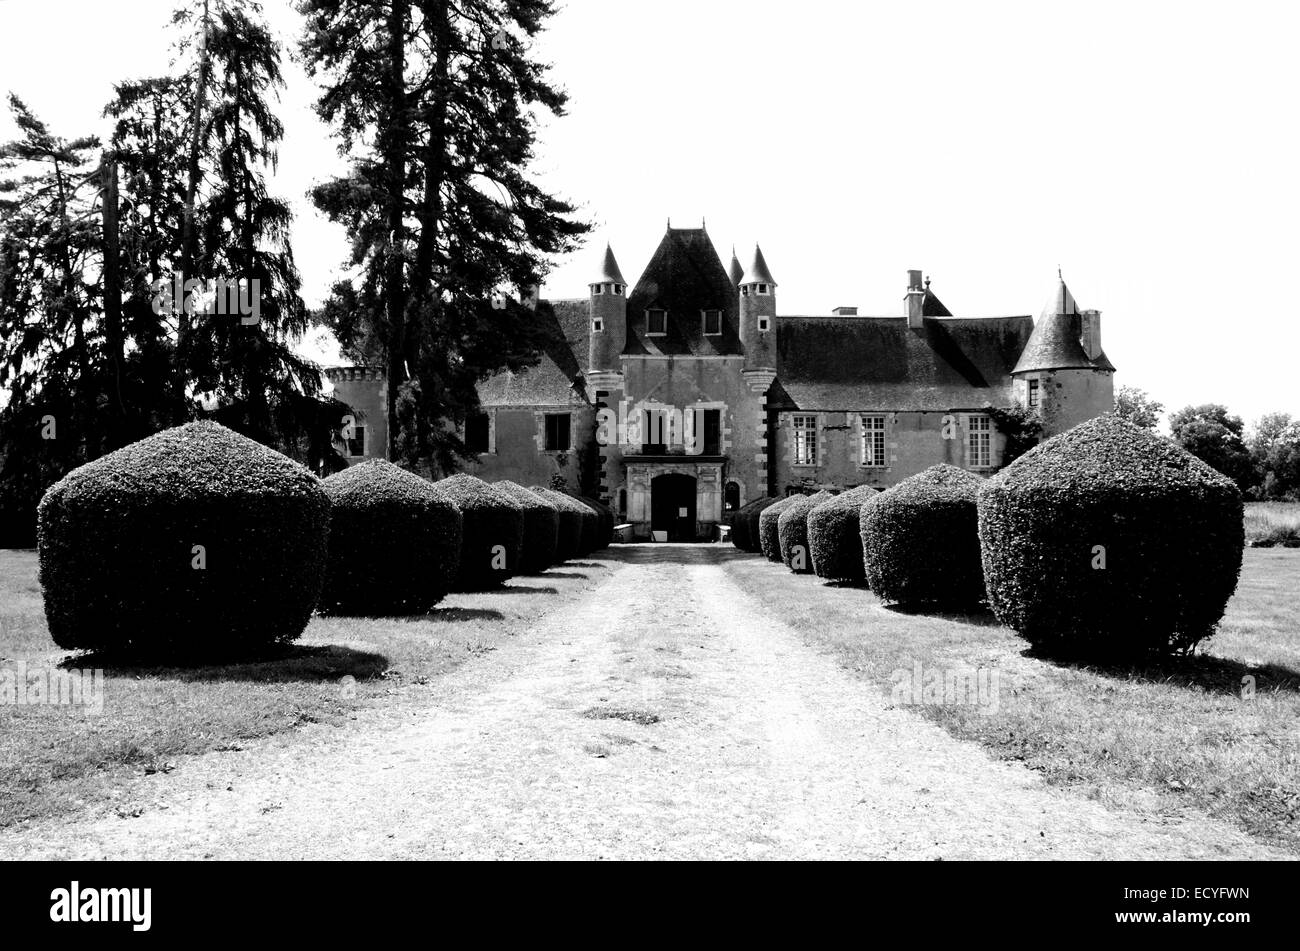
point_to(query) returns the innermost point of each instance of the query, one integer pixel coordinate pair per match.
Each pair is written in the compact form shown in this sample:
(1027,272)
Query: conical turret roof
(609,272)
(757,272)
(1055,343)
(734,270)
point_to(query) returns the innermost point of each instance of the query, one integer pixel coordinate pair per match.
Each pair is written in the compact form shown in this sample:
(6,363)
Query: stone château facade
(687,395)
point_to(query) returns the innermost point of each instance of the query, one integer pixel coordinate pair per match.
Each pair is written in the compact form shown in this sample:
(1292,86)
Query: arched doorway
(731,497)
(672,506)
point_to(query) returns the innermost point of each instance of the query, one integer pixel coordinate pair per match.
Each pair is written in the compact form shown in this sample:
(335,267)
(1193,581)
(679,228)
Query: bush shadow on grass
(1216,675)
(272,664)
(980,616)
(518,589)
(561,574)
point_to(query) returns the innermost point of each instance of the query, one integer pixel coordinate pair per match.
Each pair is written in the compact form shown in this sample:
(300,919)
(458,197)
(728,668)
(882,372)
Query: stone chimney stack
(1090,332)
(915,300)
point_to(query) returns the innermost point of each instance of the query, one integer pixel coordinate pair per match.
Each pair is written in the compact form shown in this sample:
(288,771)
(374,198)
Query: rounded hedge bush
(792,532)
(920,540)
(396,542)
(834,536)
(194,542)
(493,532)
(604,520)
(1112,541)
(573,514)
(541,527)
(744,524)
(769,538)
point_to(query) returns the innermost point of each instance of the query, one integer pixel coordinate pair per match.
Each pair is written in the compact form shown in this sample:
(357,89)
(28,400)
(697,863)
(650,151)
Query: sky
(1147,149)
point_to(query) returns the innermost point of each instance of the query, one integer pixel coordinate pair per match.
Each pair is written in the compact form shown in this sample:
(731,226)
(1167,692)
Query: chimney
(915,300)
(1090,332)
(845,312)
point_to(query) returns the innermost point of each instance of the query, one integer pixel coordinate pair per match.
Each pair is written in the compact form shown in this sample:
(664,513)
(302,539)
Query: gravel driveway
(664,718)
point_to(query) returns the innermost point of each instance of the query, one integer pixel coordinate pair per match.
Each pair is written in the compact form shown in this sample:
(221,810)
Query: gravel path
(663,718)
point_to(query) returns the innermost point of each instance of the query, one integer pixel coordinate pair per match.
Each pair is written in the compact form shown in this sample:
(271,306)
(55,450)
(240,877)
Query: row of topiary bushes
(198,540)
(1105,540)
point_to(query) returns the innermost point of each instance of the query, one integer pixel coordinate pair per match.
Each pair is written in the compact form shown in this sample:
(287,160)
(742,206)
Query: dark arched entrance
(672,506)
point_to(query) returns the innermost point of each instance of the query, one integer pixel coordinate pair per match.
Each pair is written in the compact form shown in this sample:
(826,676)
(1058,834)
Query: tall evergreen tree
(436,104)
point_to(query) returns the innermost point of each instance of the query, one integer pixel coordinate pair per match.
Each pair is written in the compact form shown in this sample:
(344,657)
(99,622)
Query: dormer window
(656,322)
(597,325)
(616,290)
(764,324)
(600,288)
(712,323)
(762,289)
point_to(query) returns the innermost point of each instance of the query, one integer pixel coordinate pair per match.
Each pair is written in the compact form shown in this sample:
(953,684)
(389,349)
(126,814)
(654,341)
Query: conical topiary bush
(769,537)
(834,536)
(194,542)
(1110,540)
(541,527)
(492,532)
(396,542)
(792,532)
(920,540)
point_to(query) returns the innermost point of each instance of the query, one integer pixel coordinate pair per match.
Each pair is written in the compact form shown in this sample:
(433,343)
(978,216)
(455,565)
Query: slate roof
(1055,343)
(758,272)
(551,381)
(734,270)
(609,272)
(863,363)
(685,276)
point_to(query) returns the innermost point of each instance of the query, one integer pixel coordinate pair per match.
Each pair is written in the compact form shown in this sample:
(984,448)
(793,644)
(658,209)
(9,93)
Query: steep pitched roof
(931,306)
(758,271)
(864,363)
(685,277)
(552,381)
(609,272)
(734,270)
(1056,342)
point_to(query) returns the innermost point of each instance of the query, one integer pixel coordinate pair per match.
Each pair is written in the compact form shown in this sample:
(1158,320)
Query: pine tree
(436,105)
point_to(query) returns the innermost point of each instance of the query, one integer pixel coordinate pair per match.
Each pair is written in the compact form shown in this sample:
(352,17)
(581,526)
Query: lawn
(1183,736)
(1269,524)
(59,757)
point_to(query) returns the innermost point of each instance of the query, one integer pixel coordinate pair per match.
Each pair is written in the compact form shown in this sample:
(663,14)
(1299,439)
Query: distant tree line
(1264,461)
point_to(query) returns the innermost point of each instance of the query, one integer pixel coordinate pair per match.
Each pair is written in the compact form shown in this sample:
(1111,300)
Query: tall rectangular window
(1034,395)
(873,441)
(656,322)
(654,433)
(712,322)
(557,432)
(979,441)
(357,443)
(709,433)
(805,440)
(477,430)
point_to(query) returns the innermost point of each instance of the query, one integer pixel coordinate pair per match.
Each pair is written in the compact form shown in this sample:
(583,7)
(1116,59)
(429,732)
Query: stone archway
(672,506)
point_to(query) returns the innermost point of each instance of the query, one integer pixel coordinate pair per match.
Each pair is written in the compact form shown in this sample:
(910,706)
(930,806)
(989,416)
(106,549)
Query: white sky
(1149,149)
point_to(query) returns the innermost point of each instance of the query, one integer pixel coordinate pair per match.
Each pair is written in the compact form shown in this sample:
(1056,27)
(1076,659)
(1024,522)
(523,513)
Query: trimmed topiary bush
(920,540)
(492,535)
(568,543)
(541,527)
(834,536)
(744,524)
(604,521)
(1109,540)
(792,532)
(396,542)
(769,538)
(195,542)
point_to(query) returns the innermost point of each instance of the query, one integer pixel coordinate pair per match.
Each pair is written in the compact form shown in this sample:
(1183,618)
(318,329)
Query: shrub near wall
(493,532)
(573,514)
(769,531)
(541,527)
(396,542)
(1109,540)
(792,532)
(604,521)
(920,540)
(744,525)
(195,542)
(834,536)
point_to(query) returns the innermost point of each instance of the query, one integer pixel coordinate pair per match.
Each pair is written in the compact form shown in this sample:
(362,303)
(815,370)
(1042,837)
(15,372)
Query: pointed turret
(609,272)
(758,272)
(608,316)
(758,314)
(734,270)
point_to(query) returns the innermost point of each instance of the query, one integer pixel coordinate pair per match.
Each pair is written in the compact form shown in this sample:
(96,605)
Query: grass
(1175,737)
(57,758)
(1273,524)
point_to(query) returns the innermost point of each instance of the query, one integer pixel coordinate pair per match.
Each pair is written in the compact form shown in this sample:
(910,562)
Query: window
(762,288)
(732,496)
(478,430)
(654,437)
(713,322)
(1034,395)
(617,289)
(656,322)
(873,441)
(357,442)
(706,432)
(805,440)
(763,324)
(597,325)
(979,442)
(600,288)
(557,432)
